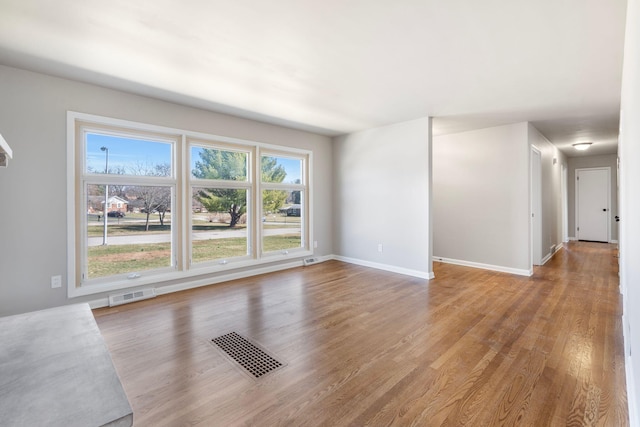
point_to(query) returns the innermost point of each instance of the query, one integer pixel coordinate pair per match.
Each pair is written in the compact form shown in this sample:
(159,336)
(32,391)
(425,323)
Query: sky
(125,152)
(128,153)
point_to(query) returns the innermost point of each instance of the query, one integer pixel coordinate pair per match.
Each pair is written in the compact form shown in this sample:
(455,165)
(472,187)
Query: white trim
(631,394)
(613,241)
(555,249)
(386,267)
(544,260)
(572,239)
(212,273)
(535,205)
(162,290)
(472,264)
(564,194)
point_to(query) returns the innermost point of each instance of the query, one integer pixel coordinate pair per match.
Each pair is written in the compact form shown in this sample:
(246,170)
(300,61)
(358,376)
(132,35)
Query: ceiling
(334,67)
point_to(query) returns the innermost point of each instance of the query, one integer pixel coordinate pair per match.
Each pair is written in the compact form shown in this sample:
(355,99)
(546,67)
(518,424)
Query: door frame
(564,190)
(535,205)
(577,200)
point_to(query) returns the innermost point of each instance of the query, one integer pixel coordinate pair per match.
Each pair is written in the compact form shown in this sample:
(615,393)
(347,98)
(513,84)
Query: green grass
(121,259)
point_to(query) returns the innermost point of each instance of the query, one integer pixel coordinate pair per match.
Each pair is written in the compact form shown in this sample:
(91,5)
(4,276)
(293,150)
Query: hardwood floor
(368,347)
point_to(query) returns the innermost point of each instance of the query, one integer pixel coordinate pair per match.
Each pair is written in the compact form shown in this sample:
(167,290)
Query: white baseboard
(631,394)
(613,241)
(499,268)
(386,267)
(554,250)
(572,239)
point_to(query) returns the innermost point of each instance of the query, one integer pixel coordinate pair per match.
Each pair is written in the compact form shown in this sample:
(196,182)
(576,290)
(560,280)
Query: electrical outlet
(56,282)
(379,247)
(315,243)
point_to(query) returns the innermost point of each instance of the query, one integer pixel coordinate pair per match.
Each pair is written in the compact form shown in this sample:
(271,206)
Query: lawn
(120,259)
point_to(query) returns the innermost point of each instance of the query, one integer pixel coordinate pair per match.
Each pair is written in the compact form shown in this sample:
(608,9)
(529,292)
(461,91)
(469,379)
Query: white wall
(33,117)
(481,197)
(610,161)
(381,179)
(629,152)
(551,190)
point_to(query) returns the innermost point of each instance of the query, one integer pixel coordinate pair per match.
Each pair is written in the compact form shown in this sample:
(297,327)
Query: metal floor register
(249,355)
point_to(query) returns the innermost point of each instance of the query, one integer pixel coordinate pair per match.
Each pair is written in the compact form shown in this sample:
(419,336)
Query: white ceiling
(337,66)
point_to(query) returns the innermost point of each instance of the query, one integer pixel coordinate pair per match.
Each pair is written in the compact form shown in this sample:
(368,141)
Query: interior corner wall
(381,196)
(629,153)
(551,191)
(33,189)
(610,161)
(481,197)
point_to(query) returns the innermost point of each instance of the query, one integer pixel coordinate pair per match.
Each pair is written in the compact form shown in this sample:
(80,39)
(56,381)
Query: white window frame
(182,270)
(305,205)
(247,185)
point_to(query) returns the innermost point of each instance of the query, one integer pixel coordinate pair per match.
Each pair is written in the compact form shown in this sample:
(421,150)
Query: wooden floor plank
(368,347)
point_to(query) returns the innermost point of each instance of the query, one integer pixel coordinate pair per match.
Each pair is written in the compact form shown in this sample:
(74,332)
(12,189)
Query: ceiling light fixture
(581,146)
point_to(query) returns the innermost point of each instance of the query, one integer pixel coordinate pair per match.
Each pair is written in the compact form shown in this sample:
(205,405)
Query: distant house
(116,203)
(293,210)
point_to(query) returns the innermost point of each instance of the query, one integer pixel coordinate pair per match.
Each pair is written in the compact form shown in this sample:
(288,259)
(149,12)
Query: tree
(230,166)
(271,170)
(272,200)
(223,165)
(153,198)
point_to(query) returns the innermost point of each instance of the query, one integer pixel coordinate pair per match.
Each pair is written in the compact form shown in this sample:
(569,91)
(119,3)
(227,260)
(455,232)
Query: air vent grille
(249,355)
(131,296)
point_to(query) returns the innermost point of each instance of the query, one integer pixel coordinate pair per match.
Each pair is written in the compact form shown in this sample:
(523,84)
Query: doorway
(536,206)
(593,202)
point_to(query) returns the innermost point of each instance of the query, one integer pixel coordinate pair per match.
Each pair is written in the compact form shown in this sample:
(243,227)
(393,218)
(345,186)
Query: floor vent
(309,261)
(255,360)
(131,296)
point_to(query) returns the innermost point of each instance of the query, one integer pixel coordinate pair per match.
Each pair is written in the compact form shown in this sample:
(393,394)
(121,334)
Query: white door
(536,206)
(592,202)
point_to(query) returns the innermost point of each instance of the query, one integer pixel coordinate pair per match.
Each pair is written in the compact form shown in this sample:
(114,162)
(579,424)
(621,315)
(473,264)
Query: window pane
(281,220)
(135,236)
(219,224)
(210,163)
(281,169)
(127,156)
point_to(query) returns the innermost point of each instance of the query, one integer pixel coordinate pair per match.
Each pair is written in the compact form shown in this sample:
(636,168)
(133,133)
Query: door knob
(604,210)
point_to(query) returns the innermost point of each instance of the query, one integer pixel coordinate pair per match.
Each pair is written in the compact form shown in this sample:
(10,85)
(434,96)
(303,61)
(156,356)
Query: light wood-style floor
(368,347)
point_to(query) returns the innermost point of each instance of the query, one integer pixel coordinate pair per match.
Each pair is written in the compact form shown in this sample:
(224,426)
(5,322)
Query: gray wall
(33,198)
(481,197)
(629,150)
(382,195)
(551,191)
(574,163)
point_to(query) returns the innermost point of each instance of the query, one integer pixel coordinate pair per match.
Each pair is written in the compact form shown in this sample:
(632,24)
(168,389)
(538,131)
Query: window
(221,194)
(153,204)
(284,207)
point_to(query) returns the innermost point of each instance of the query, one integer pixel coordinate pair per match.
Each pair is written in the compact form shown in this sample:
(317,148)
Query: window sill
(163,278)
